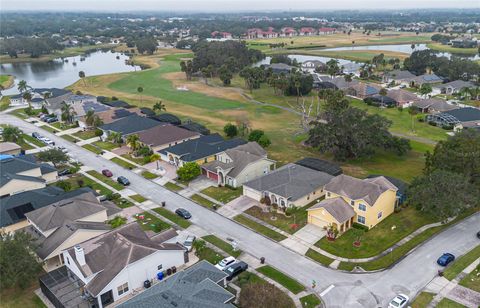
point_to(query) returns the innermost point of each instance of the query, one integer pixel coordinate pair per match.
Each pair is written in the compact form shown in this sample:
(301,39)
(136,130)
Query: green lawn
(378,239)
(69,138)
(223,194)
(206,253)
(461,262)
(310,301)
(63,126)
(21,298)
(173,217)
(316,256)
(248,277)
(106,180)
(76,180)
(472,280)
(49,129)
(92,148)
(422,300)
(451,49)
(137,160)
(123,163)
(202,201)
(108,146)
(212,239)
(448,303)
(85,135)
(172,186)
(139,198)
(289,283)
(152,223)
(33,140)
(148,175)
(4,103)
(122,203)
(259,228)
(20,113)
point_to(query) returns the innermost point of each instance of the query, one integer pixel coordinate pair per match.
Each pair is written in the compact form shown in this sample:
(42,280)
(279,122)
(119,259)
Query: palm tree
(412,111)
(68,112)
(28,97)
(115,137)
(12,134)
(155,158)
(412,46)
(465,93)
(159,107)
(133,142)
(348,78)
(140,90)
(81,74)
(89,117)
(22,86)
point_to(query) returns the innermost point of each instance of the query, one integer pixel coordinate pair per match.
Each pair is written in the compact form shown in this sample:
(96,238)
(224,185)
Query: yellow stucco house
(350,200)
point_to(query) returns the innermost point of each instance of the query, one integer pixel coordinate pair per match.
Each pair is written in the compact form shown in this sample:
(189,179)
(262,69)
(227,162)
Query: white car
(400,301)
(63,149)
(225,263)
(188,243)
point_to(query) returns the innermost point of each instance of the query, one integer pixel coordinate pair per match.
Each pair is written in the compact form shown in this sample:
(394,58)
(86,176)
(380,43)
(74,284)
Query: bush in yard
(117,221)
(74,169)
(188,171)
(230,130)
(255,135)
(264,141)
(112,196)
(267,201)
(66,186)
(98,132)
(289,211)
(356,225)
(199,245)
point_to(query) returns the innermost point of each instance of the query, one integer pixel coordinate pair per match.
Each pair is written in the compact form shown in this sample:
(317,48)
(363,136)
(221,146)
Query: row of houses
(257,33)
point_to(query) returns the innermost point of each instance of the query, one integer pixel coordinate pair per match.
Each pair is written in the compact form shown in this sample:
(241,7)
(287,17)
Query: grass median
(259,228)
(106,180)
(310,301)
(173,217)
(461,263)
(318,257)
(172,186)
(139,198)
(212,239)
(289,283)
(148,175)
(202,201)
(92,148)
(123,163)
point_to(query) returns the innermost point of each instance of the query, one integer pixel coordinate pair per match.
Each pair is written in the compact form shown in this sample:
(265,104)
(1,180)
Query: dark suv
(123,180)
(183,213)
(235,269)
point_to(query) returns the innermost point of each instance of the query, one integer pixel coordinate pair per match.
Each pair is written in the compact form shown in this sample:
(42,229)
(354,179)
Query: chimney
(80,255)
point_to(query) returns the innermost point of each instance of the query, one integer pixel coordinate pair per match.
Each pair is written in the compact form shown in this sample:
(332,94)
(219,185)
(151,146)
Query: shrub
(400,109)
(264,141)
(262,200)
(360,227)
(66,186)
(447,127)
(188,171)
(255,135)
(268,202)
(112,196)
(98,132)
(230,130)
(74,169)
(290,210)
(275,206)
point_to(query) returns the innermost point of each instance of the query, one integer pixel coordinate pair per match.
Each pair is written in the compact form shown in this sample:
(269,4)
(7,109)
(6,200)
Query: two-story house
(349,200)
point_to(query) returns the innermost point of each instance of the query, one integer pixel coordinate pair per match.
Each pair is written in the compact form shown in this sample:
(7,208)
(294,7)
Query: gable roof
(14,207)
(130,124)
(434,103)
(320,165)
(11,166)
(456,84)
(291,181)
(401,185)
(9,146)
(358,189)
(337,207)
(164,134)
(400,74)
(402,96)
(195,287)
(108,254)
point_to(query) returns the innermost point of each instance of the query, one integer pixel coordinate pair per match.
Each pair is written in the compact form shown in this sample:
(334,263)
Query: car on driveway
(225,263)
(445,259)
(400,301)
(188,243)
(235,269)
(123,180)
(107,173)
(183,213)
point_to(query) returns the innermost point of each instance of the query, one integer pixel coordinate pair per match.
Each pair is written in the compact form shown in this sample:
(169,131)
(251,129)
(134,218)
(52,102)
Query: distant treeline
(35,47)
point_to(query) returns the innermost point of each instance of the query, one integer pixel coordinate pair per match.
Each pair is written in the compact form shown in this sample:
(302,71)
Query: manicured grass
(472,280)
(20,113)
(206,253)
(202,201)
(106,180)
(63,126)
(152,223)
(451,49)
(4,103)
(69,138)
(259,228)
(74,181)
(148,175)
(122,203)
(6,81)
(139,198)
(172,186)
(352,55)
(33,140)
(137,160)
(21,298)
(173,217)
(289,283)
(310,301)
(422,300)
(223,194)
(108,146)
(92,148)
(85,135)
(123,163)
(289,224)
(378,239)
(448,303)
(316,256)
(49,129)
(212,239)
(248,277)
(461,262)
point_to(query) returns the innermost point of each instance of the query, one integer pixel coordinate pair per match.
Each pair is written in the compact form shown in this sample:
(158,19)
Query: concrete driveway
(304,238)
(237,206)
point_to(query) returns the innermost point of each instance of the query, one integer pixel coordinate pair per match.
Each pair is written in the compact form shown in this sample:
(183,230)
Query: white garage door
(252,193)
(317,221)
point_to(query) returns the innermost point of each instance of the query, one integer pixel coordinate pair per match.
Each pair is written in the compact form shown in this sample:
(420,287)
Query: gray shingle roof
(165,134)
(465,114)
(337,207)
(291,181)
(456,84)
(196,287)
(10,167)
(400,75)
(358,189)
(131,124)
(435,104)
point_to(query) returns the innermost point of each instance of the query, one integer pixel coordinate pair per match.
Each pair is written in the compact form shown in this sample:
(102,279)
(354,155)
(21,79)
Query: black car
(183,213)
(64,172)
(123,180)
(478,234)
(235,269)
(36,135)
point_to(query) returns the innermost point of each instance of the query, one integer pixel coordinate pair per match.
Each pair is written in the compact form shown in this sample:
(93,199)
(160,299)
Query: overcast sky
(227,5)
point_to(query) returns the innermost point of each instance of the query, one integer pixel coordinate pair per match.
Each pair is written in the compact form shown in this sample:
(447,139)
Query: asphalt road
(350,290)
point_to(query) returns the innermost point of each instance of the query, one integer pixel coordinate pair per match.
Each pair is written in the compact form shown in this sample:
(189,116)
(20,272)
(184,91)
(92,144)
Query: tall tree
(68,113)
(412,111)
(55,156)
(81,74)
(22,86)
(12,134)
(230,130)
(133,141)
(189,171)
(115,137)
(225,75)
(425,89)
(187,68)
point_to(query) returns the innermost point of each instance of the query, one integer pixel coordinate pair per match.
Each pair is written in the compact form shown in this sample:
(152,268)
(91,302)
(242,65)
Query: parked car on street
(400,301)
(445,259)
(63,149)
(188,243)
(107,173)
(36,135)
(51,120)
(235,269)
(183,213)
(225,263)
(123,180)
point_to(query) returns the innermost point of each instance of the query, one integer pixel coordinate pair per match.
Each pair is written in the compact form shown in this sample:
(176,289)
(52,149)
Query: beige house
(66,223)
(20,174)
(10,148)
(349,200)
(235,166)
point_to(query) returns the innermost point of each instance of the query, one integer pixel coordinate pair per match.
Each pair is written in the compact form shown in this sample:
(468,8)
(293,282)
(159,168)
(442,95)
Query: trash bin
(160,275)
(163,203)
(262,260)
(169,271)
(174,269)
(147,284)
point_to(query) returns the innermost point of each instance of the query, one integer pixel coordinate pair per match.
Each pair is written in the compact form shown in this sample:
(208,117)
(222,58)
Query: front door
(106,298)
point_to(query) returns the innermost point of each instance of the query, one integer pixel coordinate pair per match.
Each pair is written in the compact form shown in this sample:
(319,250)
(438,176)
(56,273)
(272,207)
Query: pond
(60,73)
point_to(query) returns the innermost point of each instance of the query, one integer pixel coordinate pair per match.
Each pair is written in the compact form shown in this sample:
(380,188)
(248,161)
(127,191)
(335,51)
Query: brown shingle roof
(165,134)
(402,96)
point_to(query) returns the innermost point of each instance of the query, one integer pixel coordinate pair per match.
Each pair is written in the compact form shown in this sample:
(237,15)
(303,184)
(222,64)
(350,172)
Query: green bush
(188,171)
(98,132)
(356,225)
(66,186)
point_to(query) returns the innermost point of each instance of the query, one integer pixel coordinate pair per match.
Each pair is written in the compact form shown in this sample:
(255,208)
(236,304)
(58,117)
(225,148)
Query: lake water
(60,73)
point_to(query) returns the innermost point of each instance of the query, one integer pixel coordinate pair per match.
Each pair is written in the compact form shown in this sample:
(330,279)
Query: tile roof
(291,181)
(165,134)
(130,124)
(195,287)
(400,75)
(358,189)
(337,207)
